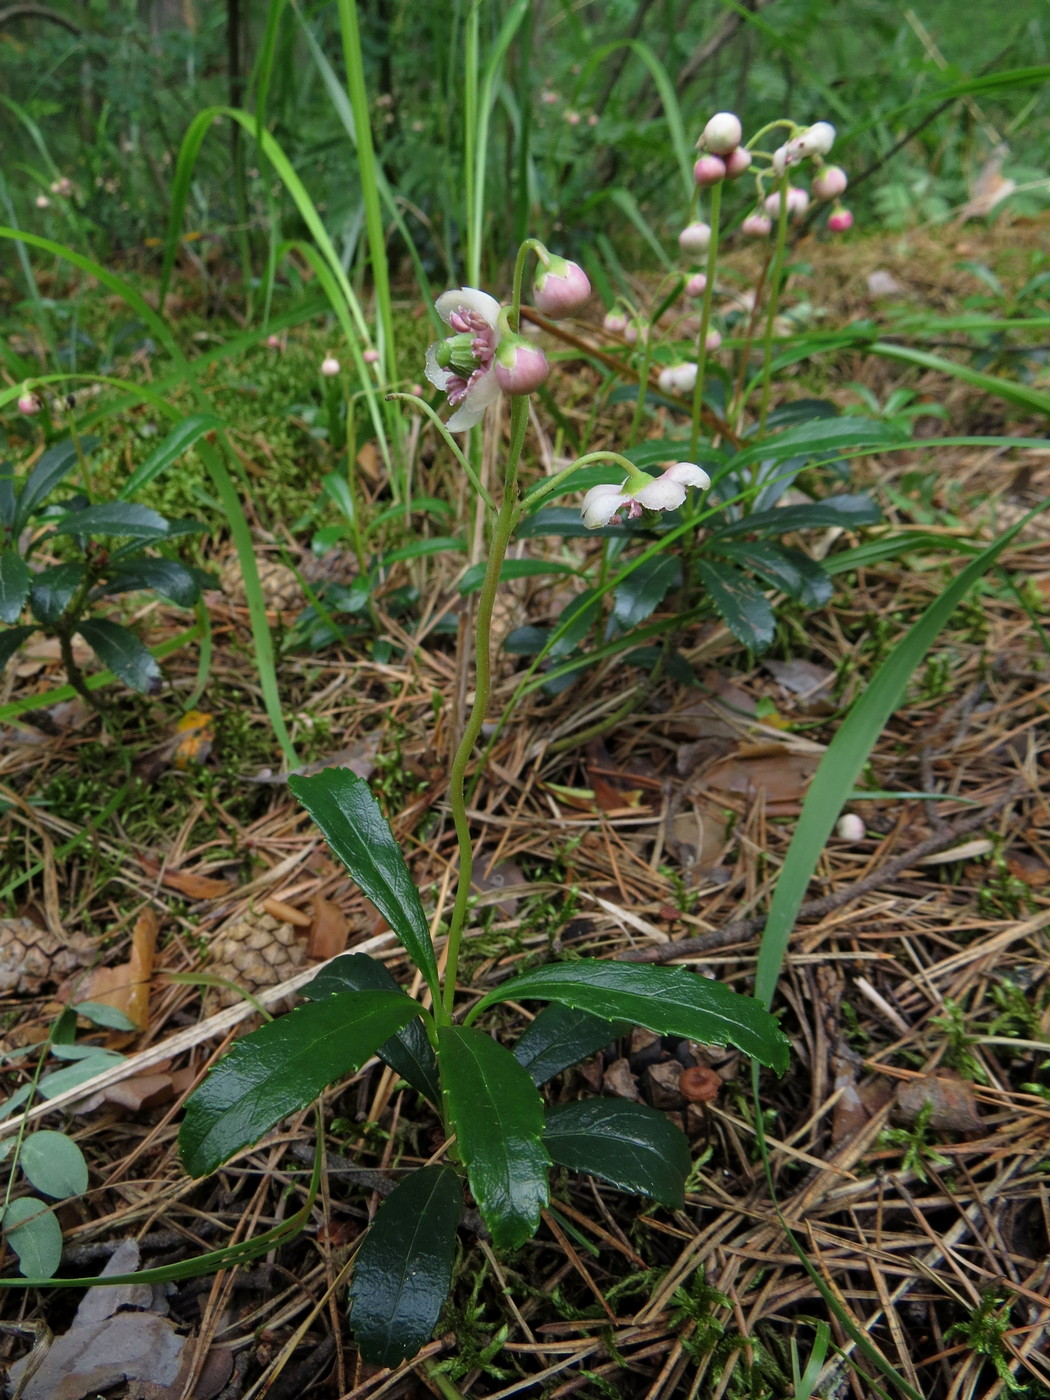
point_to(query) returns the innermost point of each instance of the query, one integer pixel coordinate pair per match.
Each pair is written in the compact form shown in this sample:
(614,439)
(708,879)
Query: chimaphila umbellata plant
(500,1139)
(63,556)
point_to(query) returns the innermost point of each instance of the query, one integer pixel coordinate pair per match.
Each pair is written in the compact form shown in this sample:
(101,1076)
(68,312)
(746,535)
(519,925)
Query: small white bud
(849,827)
(722,133)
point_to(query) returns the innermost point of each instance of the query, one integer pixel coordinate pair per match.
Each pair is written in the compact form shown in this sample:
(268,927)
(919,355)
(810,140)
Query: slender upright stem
(774,301)
(501,533)
(705,320)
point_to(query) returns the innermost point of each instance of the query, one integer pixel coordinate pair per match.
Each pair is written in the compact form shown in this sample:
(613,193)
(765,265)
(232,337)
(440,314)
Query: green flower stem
(532,245)
(452,445)
(553,482)
(503,528)
(774,301)
(705,320)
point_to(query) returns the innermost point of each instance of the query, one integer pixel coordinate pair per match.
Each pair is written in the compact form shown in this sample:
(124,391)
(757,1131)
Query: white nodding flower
(463,365)
(678,379)
(816,140)
(695,237)
(664,492)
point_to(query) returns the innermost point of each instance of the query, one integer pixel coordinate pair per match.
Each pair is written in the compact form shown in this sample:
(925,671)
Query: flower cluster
(810,143)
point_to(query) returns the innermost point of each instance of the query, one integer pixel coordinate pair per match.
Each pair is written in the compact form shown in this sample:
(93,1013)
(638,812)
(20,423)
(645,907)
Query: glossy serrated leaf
(55,464)
(497,1115)
(34,1235)
(53,589)
(15,579)
(409,1052)
(790,570)
(283,1066)
(821,437)
(8,496)
(848,512)
(561,1036)
(403,1269)
(576,619)
(120,518)
(164,576)
(626,1144)
(123,653)
(352,823)
(54,1164)
(644,589)
(668,1000)
(474,577)
(739,602)
(11,640)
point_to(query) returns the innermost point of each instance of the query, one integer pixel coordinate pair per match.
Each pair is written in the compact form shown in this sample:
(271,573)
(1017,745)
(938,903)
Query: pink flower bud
(722,133)
(371,357)
(520,367)
(839,220)
(573,118)
(42,202)
(695,238)
(615,322)
(830,183)
(797,202)
(330,366)
(696,285)
(737,162)
(636,331)
(714,340)
(28,403)
(709,170)
(560,289)
(63,186)
(273,342)
(756,226)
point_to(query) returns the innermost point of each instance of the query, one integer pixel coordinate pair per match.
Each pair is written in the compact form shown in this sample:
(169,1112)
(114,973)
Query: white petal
(661,494)
(483,392)
(440,378)
(467,299)
(688,474)
(600,505)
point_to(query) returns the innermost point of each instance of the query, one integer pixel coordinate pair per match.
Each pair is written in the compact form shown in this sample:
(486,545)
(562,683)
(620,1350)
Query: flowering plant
(499,1137)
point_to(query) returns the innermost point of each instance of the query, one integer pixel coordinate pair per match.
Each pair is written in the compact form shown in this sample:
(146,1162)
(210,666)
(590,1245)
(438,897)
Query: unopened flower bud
(839,220)
(561,288)
(678,379)
(722,133)
(520,367)
(42,202)
(816,140)
(28,403)
(63,186)
(636,331)
(695,238)
(615,322)
(849,827)
(709,170)
(696,285)
(797,202)
(273,342)
(737,162)
(756,226)
(330,366)
(370,357)
(830,183)
(714,340)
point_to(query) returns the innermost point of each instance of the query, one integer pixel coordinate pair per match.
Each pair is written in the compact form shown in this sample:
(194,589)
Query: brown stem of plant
(814,909)
(73,672)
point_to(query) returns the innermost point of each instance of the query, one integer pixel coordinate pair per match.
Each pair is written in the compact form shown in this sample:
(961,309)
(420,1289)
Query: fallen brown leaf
(329,930)
(186,882)
(126,986)
(953,1106)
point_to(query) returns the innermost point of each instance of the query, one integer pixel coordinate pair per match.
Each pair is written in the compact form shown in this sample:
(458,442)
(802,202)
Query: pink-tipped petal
(600,505)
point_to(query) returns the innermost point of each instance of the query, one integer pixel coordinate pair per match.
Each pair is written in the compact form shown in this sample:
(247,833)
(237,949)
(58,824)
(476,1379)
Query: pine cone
(256,952)
(32,958)
(280,587)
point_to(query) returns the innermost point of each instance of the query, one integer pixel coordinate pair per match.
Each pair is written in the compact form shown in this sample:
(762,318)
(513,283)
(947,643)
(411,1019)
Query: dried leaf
(286,913)
(329,930)
(195,737)
(779,773)
(953,1106)
(186,882)
(126,986)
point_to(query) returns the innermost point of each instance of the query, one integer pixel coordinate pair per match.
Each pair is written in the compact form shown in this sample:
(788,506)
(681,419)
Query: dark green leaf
(283,1066)
(56,463)
(403,1269)
(99,1014)
(668,1000)
(163,576)
(123,653)
(561,1036)
(848,512)
(114,518)
(526,641)
(15,579)
(54,1164)
(644,589)
(576,620)
(53,589)
(409,1052)
(497,1115)
(739,602)
(11,640)
(351,822)
(627,1144)
(821,437)
(419,548)
(512,568)
(8,499)
(790,570)
(170,450)
(35,1236)
(801,411)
